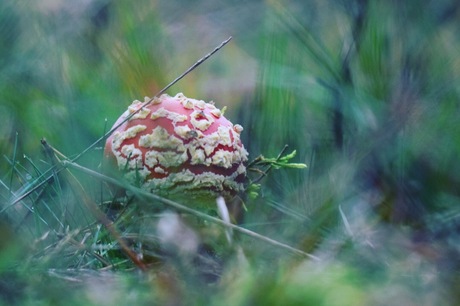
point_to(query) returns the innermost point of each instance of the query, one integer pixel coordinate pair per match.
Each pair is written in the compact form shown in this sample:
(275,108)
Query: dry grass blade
(145,195)
(190,69)
(53,169)
(96,212)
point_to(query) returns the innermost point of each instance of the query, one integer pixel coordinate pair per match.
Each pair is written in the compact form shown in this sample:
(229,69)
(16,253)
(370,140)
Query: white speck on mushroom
(241,169)
(159,170)
(134,106)
(151,158)
(173,116)
(198,183)
(142,114)
(183,131)
(200,104)
(158,114)
(119,137)
(224,136)
(200,120)
(116,141)
(222,158)
(132,131)
(180,96)
(156,100)
(171,158)
(243,153)
(166,159)
(160,138)
(238,128)
(131,151)
(208,148)
(197,156)
(178,118)
(212,139)
(184,176)
(188,104)
(216,112)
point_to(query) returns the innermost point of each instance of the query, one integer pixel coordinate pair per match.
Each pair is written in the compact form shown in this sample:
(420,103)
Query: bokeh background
(367,92)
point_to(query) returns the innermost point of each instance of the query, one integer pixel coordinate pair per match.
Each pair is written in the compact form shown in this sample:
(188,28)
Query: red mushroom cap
(179,146)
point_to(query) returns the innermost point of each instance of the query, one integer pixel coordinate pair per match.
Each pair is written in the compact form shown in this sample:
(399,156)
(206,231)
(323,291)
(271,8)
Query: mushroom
(179,147)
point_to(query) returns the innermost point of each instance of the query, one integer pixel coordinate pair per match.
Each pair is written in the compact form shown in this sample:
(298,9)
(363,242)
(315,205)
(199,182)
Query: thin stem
(50,177)
(152,197)
(14,163)
(264,173)
(190,69)
(94,209)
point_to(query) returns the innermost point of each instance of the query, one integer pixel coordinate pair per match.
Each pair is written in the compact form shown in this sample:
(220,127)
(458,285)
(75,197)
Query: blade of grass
(14,162)
(152,197)
(52,169)
(190,69)
(312,45)
(94,208)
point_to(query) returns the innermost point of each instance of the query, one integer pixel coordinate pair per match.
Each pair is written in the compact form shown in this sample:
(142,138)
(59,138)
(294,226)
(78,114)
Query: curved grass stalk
(37,184)
(149,196)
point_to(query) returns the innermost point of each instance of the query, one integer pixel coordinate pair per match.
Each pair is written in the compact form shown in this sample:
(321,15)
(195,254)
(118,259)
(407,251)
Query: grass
(365,92)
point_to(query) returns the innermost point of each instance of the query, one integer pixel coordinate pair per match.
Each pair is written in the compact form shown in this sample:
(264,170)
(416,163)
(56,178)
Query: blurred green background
(367,92)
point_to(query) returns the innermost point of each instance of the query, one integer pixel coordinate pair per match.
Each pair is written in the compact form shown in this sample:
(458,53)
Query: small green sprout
(263,165)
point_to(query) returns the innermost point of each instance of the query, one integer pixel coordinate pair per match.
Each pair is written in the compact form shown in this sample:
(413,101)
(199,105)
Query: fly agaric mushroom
(179,147)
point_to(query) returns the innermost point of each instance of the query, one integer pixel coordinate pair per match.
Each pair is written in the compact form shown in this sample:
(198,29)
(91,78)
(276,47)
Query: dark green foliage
(366,93)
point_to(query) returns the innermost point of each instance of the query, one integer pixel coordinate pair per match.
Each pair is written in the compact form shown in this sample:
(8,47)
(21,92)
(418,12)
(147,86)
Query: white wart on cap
(179,146)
